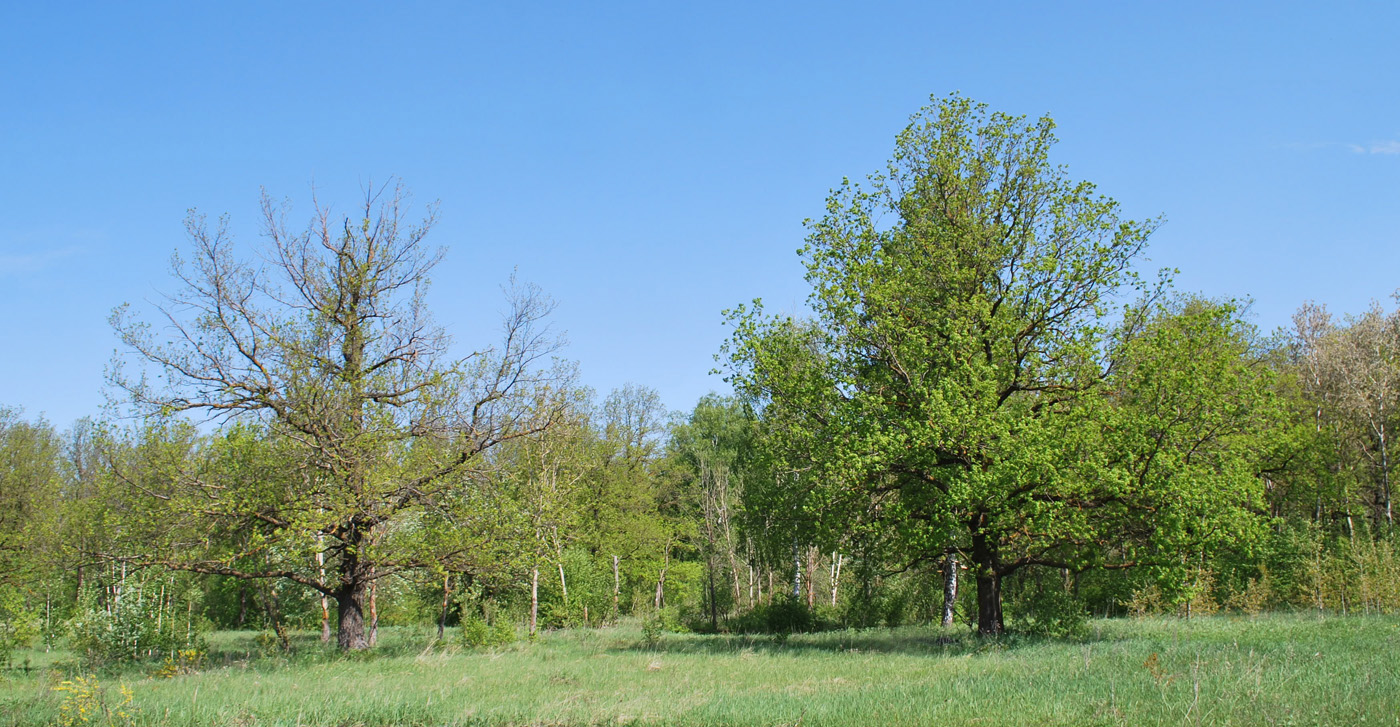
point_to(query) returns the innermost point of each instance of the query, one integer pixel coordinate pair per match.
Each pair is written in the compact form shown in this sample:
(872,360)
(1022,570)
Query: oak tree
(357,421)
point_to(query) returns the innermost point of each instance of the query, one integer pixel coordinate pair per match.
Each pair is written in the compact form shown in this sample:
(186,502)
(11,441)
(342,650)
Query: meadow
(1269,670)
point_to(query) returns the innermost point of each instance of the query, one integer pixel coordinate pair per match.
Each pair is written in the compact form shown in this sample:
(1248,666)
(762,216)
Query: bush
(1051,611)
(85,702)
(130,628)
(476,633)
(785,615)
(18,625)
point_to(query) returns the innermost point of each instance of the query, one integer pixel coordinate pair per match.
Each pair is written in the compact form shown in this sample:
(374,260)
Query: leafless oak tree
(326,341)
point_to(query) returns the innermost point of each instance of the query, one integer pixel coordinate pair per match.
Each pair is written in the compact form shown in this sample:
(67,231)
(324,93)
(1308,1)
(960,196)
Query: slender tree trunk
(796,571)
(1385,477)
(325,601)
(374,612)
(446,601)
(274,616)
(325,619)
(617,588)
(734,578)
(950,587)
(661,579)
(534,599)
(563,584)
(835,576)
(714,608)
(812,557)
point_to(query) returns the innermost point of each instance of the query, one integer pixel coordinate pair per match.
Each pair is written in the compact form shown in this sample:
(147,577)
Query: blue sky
(650,164)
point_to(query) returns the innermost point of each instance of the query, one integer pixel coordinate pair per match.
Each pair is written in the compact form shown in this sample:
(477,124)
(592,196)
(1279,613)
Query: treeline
(988,418)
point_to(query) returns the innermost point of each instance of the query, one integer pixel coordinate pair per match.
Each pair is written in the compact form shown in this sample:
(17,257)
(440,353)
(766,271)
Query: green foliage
(1048,610)
(476,633)
(784,616)
(132,623)
(966,382)
(20,625)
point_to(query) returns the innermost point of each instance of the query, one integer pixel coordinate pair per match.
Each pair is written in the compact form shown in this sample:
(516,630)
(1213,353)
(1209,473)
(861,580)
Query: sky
(651,164)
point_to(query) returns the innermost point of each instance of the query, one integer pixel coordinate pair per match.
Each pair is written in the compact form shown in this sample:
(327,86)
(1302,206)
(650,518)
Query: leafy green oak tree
(953,390)
(325,346)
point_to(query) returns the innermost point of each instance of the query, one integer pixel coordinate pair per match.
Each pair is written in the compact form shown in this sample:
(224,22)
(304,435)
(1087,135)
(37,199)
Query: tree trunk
(350,597)
(617,588)
(350,626)
(325,619)
(984,555)
(373,612)
(661,579)
(734,578)
(714,608)
(835,576)
(446,601)
(274,616)
(1385,478)
(796,572)
(950,587)
(325,602)
(534,599)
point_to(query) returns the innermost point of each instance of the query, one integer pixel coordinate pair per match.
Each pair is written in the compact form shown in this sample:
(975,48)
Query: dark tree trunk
(350,629)
(355,577)
(984,556)
(989,619)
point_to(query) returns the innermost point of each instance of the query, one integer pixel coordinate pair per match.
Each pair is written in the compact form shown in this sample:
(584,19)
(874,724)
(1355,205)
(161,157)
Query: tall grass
(1282,669)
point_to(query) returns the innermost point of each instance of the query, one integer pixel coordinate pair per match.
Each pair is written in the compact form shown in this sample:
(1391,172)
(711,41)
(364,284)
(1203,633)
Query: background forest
(992,416)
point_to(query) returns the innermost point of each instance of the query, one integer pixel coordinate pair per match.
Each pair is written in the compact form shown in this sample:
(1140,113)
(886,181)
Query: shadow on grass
(930,641)
(251,649)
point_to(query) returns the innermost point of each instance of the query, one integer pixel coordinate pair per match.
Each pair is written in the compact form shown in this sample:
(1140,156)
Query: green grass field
(1276,670)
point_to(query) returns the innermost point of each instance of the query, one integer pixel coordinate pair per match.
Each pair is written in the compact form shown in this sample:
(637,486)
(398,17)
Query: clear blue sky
(650,164)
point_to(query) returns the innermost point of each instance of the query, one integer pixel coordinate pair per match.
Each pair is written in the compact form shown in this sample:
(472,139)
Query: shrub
(85,702)
(476,633)
(1050,611)
(130,628)
(785,615)
(18,625)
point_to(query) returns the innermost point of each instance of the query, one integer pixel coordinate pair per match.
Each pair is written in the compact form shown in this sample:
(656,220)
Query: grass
(1274,670)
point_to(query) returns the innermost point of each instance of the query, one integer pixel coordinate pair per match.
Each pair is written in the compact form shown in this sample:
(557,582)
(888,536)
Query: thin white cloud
(1390,146)
(31,262)
(1381,147)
